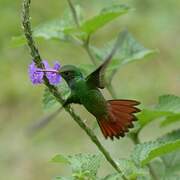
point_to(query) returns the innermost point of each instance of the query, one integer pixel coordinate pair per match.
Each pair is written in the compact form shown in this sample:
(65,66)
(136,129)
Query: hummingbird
(114,117)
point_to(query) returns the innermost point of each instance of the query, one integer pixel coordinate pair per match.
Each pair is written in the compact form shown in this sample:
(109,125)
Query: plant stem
(88,50)
(73,10)
(37,59)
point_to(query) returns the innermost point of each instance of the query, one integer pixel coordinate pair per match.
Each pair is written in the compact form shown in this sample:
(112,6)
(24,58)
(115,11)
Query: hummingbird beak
(46,70)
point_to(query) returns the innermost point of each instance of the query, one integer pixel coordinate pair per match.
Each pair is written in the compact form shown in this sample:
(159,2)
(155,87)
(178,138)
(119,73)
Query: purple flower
(36,74)
(36,77)
(53,77)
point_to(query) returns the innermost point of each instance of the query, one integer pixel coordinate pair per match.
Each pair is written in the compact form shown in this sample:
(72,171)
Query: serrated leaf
(55,29)
(129,51)
(104,17)
(167,167)
(145,152)
(52,30)
(83,165)
(167,109)
(169,103)
(132,171)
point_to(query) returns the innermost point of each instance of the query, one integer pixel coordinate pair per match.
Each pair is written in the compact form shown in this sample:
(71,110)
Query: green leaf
(53,29)
(83,165)
(148,115)
(50,30)
(114,176)
(49,101)
(167,109)
(145,152)
(132,171)
(104,17)
(129,51)
(60,159)
(170,120)
(63,178)
(169,103)
(167,167)
(18,41)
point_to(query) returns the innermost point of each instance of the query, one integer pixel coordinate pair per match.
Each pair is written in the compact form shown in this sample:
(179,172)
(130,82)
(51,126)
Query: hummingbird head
(70,72)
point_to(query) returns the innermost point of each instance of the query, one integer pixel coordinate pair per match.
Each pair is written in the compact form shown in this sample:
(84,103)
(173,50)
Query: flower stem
(37,59)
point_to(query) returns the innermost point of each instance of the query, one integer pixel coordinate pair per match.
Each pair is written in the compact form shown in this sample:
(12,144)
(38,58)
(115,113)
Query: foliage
(104,17)
(145,152)
(49,101)
(83,165)
(167,109)
(167,167)
(129,51)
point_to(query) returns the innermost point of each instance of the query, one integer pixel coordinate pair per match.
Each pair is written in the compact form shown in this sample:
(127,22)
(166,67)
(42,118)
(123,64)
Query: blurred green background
(154,23)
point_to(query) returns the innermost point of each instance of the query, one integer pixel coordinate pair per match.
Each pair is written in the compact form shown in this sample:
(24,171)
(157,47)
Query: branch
(37,59)
(88,50)
(74,14)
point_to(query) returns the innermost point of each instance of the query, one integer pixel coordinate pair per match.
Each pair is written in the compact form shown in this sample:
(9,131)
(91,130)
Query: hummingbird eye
(66,73)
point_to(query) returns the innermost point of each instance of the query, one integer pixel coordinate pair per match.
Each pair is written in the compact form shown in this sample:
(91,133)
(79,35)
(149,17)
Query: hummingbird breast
(95,103)
(92,99)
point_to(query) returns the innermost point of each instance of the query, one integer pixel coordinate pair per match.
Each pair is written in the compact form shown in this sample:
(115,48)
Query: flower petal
(57,66)
(35,77)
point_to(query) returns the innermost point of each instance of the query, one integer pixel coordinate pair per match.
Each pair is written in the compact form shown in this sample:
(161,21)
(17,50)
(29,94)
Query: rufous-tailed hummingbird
(114,117)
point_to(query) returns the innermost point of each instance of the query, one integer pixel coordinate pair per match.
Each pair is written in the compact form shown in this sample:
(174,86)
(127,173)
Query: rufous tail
(120,118)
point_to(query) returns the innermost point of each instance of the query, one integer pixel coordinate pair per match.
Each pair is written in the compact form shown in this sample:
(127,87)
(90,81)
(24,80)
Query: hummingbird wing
(96,78)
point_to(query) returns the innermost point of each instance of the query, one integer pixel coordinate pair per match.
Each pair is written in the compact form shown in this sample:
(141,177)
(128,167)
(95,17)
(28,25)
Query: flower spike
(36,74)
